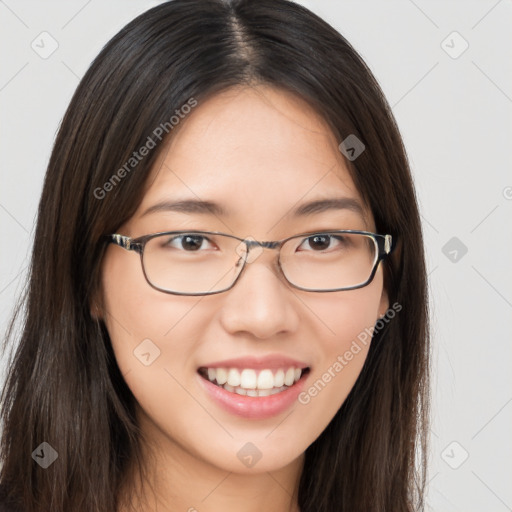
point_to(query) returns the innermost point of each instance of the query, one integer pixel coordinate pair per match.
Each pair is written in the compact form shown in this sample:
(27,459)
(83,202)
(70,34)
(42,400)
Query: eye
(187,242)
(323,241)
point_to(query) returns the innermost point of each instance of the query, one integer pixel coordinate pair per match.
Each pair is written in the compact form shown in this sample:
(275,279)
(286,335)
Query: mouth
(253,382)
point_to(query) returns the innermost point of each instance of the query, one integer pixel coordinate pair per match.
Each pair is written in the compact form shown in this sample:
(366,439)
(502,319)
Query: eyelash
(203,238)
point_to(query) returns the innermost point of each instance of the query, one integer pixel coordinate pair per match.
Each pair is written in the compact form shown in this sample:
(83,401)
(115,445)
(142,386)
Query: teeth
(248,379)
(234,377)
(279,378)
(251,383)
(290,376)
(266,379)
(255,392)
(219,374)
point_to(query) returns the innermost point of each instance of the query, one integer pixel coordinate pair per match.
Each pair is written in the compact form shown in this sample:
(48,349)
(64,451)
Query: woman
(227,303)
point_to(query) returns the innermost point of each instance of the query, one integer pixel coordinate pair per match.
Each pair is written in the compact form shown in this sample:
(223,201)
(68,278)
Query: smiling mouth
(254,383)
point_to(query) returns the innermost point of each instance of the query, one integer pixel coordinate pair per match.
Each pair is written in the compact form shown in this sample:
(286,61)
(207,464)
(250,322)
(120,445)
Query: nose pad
(254,253)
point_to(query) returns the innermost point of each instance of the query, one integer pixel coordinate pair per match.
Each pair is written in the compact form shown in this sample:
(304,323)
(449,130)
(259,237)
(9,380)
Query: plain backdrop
(446,69)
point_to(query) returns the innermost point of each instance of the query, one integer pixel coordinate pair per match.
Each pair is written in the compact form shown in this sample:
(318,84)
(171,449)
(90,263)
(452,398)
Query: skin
(259,152)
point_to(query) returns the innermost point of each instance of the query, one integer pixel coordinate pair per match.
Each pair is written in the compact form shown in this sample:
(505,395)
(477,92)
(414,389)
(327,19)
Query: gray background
(454,110)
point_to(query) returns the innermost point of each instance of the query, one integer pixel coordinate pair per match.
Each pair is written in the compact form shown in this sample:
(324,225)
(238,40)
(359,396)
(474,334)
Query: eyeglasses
(207,262)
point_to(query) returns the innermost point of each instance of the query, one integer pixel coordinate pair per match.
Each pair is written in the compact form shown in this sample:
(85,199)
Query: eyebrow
(198,206)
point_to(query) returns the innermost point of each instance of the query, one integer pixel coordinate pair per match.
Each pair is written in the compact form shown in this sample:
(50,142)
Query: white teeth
(289,377)
(234,377)
(258,392)
(248,379)
(279,378)
(266,379)
(251,383)
(221,375)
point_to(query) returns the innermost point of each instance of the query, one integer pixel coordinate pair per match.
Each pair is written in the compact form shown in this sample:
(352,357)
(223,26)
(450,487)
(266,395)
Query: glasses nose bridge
(265,244)
(252,244)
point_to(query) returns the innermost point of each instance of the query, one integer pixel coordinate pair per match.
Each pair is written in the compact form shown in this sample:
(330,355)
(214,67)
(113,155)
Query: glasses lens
(200,263)
(192,262)
(327,261)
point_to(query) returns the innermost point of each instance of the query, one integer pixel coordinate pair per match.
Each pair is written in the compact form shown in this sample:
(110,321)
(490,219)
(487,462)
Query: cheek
(343,341)
(154,337)
(343,316)
(144,323)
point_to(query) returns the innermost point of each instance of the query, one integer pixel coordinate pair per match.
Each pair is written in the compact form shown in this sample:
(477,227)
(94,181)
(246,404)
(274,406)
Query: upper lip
(272,362)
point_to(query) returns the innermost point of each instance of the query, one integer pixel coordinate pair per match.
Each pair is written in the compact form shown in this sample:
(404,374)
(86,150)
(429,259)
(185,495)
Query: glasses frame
(384,245)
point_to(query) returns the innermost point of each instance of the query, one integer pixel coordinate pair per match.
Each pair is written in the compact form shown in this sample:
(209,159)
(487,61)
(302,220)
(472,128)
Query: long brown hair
(64,386)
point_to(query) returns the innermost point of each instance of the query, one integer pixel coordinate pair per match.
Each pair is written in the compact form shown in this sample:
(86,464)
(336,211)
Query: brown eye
(322,242)
(187,242)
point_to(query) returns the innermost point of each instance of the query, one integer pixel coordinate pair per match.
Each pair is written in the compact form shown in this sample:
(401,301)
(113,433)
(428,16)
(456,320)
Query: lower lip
(254,407)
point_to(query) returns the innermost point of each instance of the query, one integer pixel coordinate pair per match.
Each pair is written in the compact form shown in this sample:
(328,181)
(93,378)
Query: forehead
(258,151)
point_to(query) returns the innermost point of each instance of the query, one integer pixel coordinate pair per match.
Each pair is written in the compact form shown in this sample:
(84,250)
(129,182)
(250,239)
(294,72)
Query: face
(259,153)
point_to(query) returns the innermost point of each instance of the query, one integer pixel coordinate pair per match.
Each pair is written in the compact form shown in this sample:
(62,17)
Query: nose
(261,302)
